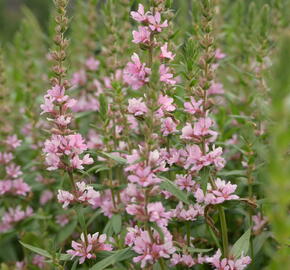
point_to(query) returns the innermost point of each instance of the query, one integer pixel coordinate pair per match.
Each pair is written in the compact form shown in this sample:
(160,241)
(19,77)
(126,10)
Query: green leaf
(232,173)
(115,158)
(37,250)
(242,245)
(174,190)
(117,223)
(118,256)
(81,219)
(66,232)
(259,241)
(199,250)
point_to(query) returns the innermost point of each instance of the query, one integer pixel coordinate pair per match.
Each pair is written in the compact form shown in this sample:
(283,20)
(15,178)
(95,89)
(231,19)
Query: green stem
(224,230)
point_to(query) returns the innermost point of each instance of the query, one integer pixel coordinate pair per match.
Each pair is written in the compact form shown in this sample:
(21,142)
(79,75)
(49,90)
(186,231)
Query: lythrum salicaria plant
(146,135)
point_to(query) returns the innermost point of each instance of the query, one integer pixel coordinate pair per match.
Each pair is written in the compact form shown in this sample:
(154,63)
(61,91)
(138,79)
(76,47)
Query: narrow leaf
(242,245)
(174,190)
(118,256)
(37,250)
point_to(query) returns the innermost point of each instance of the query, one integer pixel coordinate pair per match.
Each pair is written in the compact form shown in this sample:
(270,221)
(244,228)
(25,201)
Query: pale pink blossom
(259,223)
(228,264)
(216,89)
(13,141)
(89,246)
(64,197)
(137,106)
(92,64)
(219,54)
(166,104)
(223,191)
(165,53)
(5,157)
(140,15)
(142,35)
(155,22)
(144,177)
(79,78)
(46,196)
(135,73)
(185,182)
(13,170)
(165,75)
(193,106)
(168,126)
(39,261)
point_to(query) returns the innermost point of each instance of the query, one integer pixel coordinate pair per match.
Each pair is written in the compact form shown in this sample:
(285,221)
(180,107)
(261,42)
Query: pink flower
(155,22)
(168,126)
(79,78)
(87,247)
(142,35)
(157,213)
(259,223)
(62,220)
(185,182)
(46,196)
(5,157)
(13,170)
(202,128)
(165,75)
(166,105)
(193,107)
(165,53)
(57,92)
(64,197)
(149,251)
(219,54)
(135,73)
(144,177)
(63,120)
(216,195)
(228,264)
(137,107)
(216,89)
(92,64)
(13,141)
(140,15)
(5,186)
(215,157)
(189,213)
(39,261)
(47,106)
(87,194)
(20,187)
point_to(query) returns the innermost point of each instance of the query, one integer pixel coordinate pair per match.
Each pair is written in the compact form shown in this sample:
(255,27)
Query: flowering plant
(153,143)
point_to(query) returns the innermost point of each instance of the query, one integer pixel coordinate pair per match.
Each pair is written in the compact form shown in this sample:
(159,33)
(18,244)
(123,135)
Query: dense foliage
(147,135)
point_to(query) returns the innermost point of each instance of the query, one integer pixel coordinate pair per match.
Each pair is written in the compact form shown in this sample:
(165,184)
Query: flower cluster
(82,194)
(88,246)
(13,216)
(149,245)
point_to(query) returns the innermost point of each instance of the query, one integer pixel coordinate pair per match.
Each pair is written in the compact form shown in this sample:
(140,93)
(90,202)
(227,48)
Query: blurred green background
(10,15)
